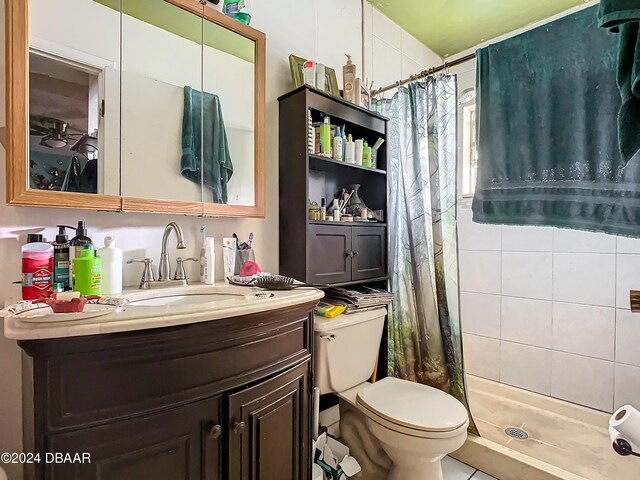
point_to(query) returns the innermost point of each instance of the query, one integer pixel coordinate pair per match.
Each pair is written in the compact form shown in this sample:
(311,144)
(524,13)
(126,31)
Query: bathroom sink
(185,299)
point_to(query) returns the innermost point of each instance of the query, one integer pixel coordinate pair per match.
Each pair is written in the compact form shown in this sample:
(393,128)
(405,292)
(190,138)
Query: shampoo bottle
(349,80)
(111,267)
(358,152)
(366,155)
(325,137)
(87,270)
(61,258)
(337,148)
(76,246)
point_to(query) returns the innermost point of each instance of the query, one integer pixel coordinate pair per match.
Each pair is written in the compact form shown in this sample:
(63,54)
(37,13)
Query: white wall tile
(627,387)
(628,278)
(527,239)
(387,30)
(585,278)
(527,275)
(480,314)
(387,62)
(577,241)
(628,245)
(477,236)
(584,329)
(482,356)
(452,469)
(480,272)
(525,367)
(526,321)
(417,51)
(628,338)
(583,380)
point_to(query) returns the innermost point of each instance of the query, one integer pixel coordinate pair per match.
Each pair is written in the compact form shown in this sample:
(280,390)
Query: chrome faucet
(164,269)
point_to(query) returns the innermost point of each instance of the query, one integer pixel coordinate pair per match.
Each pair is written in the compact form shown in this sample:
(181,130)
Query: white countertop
(242,301)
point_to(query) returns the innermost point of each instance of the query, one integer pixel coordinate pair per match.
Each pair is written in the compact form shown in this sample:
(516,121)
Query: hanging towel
(217,167)
(623,17)
(547,111)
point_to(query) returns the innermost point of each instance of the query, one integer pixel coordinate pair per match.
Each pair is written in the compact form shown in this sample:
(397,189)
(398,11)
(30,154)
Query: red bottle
(37,271)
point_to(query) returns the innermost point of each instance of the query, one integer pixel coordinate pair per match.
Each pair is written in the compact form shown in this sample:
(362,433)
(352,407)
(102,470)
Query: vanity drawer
(164,368)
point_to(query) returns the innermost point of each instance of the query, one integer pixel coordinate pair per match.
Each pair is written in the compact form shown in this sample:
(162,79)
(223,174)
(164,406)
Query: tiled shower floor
(455,470)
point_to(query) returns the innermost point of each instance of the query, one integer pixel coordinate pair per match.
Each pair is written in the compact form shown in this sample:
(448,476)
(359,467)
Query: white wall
(321,29)
(547,309)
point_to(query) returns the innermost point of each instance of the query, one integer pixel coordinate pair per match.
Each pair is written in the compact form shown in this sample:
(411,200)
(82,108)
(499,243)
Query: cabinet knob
(354,254)
(215,432)
(239,427)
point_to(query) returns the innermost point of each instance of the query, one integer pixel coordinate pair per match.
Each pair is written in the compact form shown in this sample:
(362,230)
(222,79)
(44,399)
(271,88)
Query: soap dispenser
(61,258)
(349,80)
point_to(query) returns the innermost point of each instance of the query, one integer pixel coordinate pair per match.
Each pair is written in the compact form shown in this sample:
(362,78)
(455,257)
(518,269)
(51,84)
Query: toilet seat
(413,409)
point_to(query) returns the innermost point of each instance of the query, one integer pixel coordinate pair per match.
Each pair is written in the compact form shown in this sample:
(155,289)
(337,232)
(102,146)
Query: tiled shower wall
(547,310)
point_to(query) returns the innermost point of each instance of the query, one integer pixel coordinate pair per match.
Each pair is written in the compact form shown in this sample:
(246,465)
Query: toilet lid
(413,405)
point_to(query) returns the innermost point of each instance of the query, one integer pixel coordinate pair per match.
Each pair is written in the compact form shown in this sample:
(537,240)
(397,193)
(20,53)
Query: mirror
(135,105)
(73,98)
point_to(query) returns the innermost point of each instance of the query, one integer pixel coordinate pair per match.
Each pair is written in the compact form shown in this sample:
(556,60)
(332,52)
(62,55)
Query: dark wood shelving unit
(340,254)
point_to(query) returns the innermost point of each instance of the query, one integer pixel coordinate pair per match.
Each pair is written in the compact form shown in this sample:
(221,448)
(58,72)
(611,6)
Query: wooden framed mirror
(134,105)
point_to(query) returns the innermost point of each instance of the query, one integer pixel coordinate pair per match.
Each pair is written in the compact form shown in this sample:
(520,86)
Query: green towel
(217,167)
(623,17)
(547,110)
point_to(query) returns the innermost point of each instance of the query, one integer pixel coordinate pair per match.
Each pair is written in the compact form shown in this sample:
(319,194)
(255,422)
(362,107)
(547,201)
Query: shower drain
(518,433)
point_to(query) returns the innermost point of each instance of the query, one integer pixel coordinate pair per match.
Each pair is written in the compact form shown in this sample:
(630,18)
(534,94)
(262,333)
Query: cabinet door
(269,429)
(329,256)
(178,444)
(369,252)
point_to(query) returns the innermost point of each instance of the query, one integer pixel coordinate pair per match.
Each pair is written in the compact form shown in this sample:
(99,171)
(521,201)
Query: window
(469,151)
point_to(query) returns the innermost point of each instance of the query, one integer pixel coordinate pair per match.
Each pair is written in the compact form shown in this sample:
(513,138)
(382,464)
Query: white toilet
(396,429)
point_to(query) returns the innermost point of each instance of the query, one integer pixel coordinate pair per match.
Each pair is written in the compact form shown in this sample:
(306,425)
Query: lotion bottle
(350,151)
(325,137)
(111,267)
(349,80)
(358,152)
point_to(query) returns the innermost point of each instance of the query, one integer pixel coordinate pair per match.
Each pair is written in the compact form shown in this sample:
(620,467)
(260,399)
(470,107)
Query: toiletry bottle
(210,261)
(320,77)
(323,210)
(111,267)
(309,73)
(336,210)
(229,257)
(87,270)
(358,152)
(350,151)
(337,148)
(366,155)
(349,79)
(325,137)
(203,254)
(76,245)
(61,258)
(37,270)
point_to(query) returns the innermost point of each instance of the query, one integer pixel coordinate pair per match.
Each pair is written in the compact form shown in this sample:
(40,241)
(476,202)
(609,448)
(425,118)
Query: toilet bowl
(396,429)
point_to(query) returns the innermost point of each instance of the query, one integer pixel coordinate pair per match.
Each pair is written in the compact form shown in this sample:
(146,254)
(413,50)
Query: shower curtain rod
(425,73)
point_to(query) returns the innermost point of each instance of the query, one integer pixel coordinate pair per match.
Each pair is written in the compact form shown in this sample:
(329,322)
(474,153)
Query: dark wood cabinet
(179,444)
(329,254)
(332,253)
(267,440)
(342,254)
(369,252)
(222,400)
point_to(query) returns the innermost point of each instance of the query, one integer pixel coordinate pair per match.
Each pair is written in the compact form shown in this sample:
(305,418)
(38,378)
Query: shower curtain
(425,343)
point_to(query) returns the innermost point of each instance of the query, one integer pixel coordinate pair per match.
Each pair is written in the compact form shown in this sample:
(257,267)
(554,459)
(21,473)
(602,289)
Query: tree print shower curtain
(425,343)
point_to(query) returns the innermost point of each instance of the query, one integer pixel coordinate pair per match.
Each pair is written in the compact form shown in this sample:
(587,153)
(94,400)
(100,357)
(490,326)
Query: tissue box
(334,459)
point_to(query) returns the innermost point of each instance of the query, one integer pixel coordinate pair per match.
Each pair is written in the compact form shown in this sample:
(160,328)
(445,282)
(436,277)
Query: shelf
(329,161)
(348,224)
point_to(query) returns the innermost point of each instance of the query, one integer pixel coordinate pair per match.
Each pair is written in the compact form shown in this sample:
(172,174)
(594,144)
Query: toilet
(396,429)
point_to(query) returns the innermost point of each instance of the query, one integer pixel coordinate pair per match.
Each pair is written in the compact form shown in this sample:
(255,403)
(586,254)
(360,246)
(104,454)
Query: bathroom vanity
(209,387)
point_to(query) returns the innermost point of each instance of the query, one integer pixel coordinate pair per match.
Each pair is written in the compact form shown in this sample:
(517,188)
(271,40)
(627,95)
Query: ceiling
(450,26)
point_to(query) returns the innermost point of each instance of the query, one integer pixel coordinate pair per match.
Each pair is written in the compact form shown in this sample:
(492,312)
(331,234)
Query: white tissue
(626,422)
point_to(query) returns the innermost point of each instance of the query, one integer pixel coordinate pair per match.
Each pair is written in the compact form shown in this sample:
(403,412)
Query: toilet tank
(346,349)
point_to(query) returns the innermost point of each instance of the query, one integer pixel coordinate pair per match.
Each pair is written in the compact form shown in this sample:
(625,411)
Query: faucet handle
(147,273)
(180,272)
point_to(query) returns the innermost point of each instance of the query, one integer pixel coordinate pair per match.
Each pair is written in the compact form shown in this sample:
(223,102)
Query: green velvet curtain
(425,343)
(548,150)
